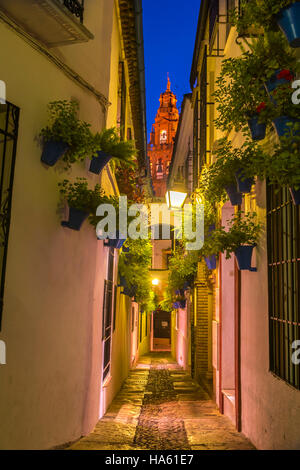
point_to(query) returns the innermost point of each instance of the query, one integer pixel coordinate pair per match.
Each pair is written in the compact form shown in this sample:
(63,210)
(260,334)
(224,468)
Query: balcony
(53,22)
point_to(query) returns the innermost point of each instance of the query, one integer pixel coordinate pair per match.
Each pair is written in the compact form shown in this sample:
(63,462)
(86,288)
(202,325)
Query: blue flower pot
(179,292)
(211,261)
(123,282)
(295,196)
(98,163)
(257,130)
(235,197)
(187,285)
(274,82)
(129,291)
(76,219)
(115,243)
(53,151)
(243,256)
(281,124)
(289,22)
(243,184)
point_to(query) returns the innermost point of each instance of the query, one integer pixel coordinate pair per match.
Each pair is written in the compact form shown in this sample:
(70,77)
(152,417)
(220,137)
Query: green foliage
(182,268)
(284,105)
(240,85)
(135,268)
(80,196)
(64,126)
(212,183)
(243,229)
(239,91)
(123,152)
(259,13)
(249,157)
(283,166)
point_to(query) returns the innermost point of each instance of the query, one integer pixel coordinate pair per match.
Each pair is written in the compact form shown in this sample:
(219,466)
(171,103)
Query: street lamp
(176,197)
(155,282)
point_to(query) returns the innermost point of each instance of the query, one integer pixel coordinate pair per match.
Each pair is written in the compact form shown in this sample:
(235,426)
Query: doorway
(161,322)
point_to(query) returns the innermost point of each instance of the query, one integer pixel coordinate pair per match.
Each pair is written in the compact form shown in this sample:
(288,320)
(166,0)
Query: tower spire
(169,83)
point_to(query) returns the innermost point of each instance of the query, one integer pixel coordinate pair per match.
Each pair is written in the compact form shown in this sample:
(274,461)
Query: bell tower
(160,147)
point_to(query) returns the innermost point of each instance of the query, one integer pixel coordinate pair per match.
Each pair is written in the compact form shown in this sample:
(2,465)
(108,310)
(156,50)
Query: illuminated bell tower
(160,147)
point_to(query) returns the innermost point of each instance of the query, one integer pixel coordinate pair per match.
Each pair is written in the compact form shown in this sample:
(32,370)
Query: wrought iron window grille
(283,220)
(76,7)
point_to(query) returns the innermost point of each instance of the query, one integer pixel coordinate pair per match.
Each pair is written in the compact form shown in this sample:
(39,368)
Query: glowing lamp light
(175,199)
(155,282)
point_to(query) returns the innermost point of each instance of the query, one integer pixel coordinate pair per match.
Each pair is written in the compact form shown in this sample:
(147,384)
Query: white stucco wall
(52,318)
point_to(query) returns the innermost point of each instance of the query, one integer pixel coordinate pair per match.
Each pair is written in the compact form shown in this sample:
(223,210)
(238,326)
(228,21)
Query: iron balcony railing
(76,7)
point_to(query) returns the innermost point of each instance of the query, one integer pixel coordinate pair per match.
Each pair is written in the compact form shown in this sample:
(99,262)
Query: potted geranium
(66,136)
(112,148)
(81,201)
(282,166)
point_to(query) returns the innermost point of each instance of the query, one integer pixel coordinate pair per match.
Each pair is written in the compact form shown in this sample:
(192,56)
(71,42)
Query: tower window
(163,137)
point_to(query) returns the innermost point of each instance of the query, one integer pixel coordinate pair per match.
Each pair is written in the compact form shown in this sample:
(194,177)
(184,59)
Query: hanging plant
(240,238)
(284,111)
(241,92)
(282,165)
(66,136)
(112,149)
(270,15)
(242,163)
(182,268)
(134,267)
(82,201)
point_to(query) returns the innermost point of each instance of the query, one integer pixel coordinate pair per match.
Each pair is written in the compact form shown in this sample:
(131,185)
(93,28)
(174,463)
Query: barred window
(284,283)
(9,122)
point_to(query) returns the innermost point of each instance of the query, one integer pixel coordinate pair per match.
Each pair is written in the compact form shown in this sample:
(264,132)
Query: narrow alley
(161,408)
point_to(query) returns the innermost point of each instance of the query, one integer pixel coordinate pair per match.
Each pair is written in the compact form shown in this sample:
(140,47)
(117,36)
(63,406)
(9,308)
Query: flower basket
(295,196)
(235,197)
(243,256)
(281,124)
(243,184)
(211,262)
(76,219)
(98,163)
(257,130)
(289,22)
(53,151)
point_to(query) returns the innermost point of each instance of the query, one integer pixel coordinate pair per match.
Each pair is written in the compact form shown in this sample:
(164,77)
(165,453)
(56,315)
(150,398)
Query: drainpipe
(138,12)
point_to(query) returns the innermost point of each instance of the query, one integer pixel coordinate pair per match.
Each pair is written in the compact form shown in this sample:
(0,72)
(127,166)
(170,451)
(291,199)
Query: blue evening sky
(169,35)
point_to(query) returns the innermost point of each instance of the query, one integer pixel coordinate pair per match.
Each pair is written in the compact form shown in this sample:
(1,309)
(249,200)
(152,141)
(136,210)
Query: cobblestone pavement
(161,408)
